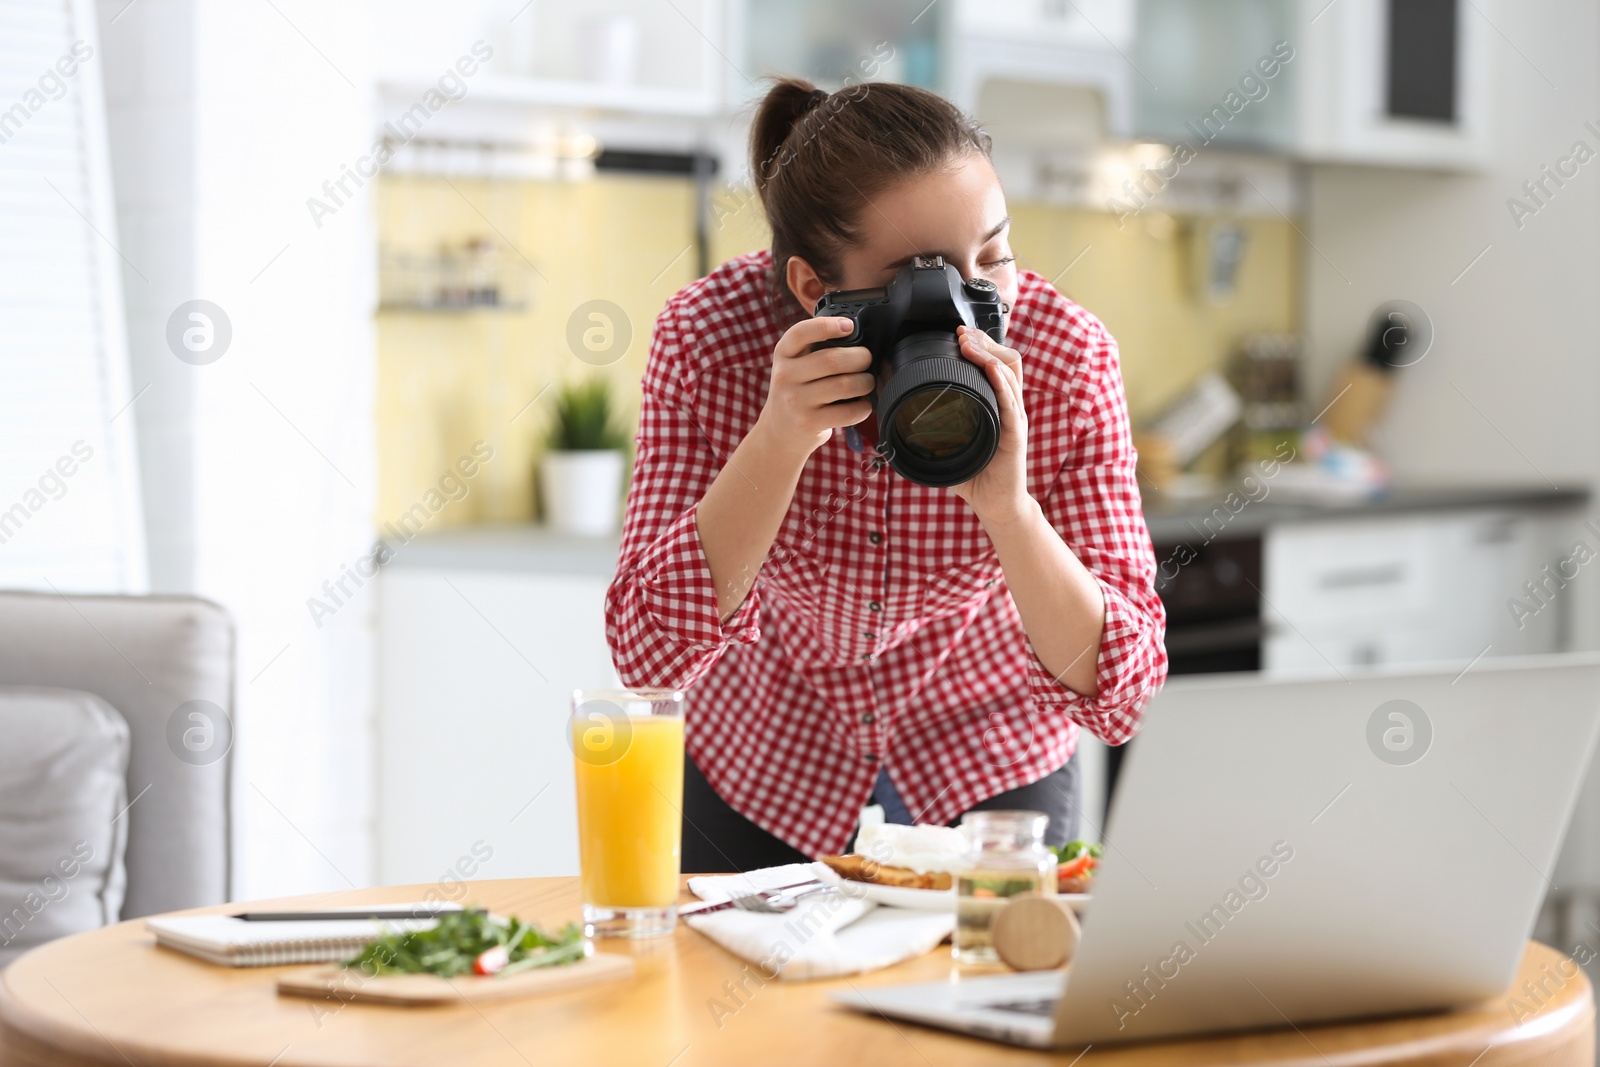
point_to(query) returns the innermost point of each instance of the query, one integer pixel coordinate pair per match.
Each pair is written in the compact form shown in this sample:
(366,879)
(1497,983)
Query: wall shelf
(558,93)
(477,277)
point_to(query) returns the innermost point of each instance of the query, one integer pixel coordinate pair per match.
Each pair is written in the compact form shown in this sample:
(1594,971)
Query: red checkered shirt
(879,631)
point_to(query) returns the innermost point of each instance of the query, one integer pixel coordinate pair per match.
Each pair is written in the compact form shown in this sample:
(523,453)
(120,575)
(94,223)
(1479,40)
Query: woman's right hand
(813,393)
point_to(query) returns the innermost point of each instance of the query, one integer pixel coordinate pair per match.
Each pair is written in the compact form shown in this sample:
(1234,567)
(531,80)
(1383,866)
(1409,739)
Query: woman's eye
(996,264)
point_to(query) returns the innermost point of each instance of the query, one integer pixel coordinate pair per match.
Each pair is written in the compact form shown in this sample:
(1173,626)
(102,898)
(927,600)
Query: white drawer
(1299,653)
(1328,577)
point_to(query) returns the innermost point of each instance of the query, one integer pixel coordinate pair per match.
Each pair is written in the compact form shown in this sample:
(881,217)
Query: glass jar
(1006,858)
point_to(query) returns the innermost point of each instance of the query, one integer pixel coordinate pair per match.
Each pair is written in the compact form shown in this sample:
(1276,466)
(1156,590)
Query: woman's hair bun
(786,103)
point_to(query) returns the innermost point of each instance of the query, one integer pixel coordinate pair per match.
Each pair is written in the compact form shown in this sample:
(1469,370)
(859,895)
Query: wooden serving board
(349,984)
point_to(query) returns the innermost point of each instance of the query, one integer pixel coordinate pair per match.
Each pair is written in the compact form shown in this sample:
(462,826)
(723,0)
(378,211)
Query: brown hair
(817,157)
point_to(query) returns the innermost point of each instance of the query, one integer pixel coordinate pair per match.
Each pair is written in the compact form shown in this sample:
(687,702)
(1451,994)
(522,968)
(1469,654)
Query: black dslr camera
(938,422)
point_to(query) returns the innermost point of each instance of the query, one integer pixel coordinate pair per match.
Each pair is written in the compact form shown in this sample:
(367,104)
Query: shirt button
(874,606)
(989,584)
(868,718)
(872,757)
(866,656)
(875,537)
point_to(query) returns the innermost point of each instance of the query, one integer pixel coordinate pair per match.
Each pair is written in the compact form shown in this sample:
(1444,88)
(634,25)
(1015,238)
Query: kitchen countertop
(512,547)
(526,547)
(1172,521)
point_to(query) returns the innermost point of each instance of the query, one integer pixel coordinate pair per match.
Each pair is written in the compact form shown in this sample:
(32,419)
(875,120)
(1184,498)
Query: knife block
(1356,403)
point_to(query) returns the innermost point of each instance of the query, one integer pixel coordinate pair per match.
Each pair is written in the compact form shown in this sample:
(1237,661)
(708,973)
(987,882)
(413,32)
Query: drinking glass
(627,747)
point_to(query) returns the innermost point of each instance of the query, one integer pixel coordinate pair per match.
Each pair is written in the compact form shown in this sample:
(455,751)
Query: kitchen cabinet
(636,57)
(1385,82)
(1099,25)
(1401,82)
(835,43)
(1194,55)
(1076,44)
(1405,589)
(955,47)
(482,638)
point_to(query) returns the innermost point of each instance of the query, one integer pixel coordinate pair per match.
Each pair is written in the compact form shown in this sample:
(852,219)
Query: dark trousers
(718,840)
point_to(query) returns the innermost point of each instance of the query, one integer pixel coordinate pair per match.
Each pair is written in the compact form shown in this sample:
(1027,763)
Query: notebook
(239,943)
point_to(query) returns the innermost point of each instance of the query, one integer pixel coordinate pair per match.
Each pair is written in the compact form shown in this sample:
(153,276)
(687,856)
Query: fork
(753,899)
(778,901)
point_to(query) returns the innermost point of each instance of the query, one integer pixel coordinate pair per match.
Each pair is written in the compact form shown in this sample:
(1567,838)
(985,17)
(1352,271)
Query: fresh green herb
(583,419)
(471,941)
(1073,849)
(999,887)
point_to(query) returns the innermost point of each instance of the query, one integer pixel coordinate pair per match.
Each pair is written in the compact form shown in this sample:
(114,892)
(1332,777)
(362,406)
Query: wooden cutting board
(349,984)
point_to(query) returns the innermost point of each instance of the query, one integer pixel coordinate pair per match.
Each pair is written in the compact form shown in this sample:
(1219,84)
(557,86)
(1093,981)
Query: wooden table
(112,997)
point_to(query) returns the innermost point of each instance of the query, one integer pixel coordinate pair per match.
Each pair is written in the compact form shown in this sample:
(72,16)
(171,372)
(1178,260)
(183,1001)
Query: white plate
(894,896)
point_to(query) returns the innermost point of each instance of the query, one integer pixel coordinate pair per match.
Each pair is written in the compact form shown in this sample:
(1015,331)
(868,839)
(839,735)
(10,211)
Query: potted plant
(581,470)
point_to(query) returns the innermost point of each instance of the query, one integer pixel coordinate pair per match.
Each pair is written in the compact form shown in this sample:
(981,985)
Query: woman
(845,634)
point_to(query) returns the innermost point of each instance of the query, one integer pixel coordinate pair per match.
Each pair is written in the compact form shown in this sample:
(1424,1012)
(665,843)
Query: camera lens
(937,423)
(940,419)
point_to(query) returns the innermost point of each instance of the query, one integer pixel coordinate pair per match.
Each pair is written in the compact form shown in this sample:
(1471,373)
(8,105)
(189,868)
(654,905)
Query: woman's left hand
(999,493)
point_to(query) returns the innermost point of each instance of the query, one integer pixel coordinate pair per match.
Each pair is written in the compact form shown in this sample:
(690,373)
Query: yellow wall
(1138,280)
(447,379)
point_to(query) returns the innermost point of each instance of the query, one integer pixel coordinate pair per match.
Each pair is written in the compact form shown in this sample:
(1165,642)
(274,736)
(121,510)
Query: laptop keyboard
(1045,1006)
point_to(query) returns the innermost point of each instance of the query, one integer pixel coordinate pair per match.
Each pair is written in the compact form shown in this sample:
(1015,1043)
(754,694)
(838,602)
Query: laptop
(1293,851)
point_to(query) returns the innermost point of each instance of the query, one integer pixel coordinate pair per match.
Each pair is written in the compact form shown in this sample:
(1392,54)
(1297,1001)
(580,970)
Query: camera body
(938,420)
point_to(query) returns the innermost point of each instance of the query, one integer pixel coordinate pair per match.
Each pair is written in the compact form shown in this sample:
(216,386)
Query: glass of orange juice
(627,746)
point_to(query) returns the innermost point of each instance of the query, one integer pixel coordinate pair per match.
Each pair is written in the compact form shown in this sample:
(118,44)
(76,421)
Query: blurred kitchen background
(428,242)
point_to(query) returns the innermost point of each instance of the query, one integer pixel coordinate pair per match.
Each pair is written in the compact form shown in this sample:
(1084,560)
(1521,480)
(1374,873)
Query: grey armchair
(153,675)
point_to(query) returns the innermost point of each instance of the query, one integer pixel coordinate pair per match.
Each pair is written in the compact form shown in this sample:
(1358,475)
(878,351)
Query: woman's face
(958,213)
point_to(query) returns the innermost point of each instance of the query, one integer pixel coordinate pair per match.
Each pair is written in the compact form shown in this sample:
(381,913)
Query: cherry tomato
(1076,868)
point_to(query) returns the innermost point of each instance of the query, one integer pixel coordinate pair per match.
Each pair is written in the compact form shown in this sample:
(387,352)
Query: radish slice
(491,961)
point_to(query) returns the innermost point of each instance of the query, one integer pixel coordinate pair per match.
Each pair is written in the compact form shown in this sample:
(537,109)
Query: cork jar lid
(1035,933)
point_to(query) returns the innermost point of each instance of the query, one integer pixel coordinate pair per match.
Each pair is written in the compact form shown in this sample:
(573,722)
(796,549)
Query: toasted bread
(866,869)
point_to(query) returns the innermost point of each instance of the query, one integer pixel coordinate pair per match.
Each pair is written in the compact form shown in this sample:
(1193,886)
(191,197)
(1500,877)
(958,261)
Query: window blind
(69,495)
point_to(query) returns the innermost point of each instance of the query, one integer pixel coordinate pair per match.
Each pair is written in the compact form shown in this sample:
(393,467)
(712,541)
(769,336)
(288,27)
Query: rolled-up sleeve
(662,619)
(1095,507)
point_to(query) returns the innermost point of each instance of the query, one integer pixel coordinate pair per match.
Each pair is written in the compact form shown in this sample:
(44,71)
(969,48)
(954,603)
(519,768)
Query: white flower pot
(582,491)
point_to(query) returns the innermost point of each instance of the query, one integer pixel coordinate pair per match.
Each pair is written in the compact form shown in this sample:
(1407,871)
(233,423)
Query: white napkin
(826,935)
